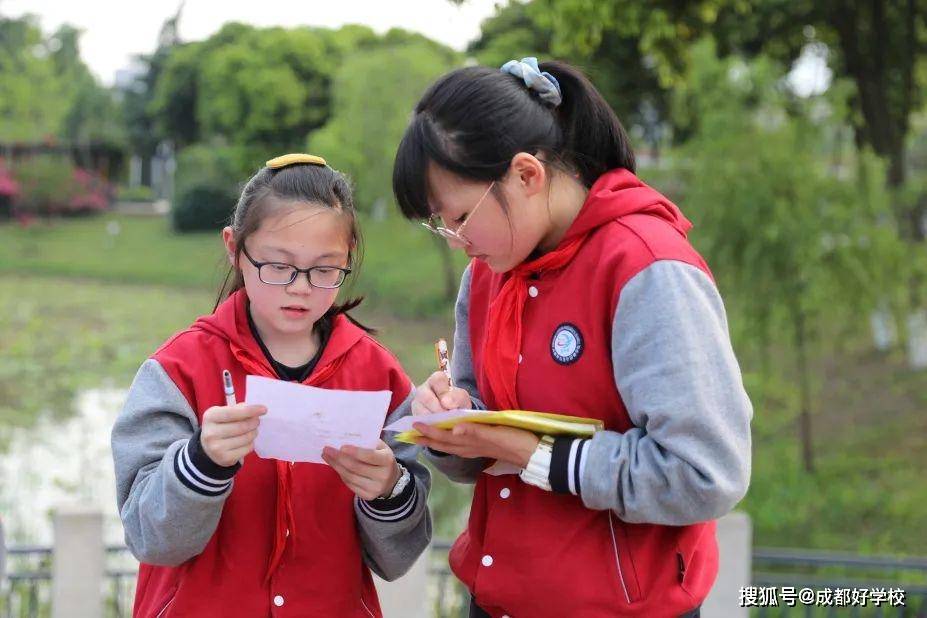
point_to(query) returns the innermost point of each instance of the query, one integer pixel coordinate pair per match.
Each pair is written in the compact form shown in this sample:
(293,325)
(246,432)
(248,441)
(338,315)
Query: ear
(531,173)
(228,239)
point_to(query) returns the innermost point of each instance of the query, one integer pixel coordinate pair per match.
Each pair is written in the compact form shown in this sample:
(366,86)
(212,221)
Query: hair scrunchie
(543,83)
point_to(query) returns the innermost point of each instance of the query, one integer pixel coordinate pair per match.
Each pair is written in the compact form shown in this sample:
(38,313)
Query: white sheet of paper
(301,419)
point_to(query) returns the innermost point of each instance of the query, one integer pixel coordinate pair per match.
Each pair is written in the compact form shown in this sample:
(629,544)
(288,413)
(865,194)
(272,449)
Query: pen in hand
(228,387)
(230,400)
(443,363)
(438,393)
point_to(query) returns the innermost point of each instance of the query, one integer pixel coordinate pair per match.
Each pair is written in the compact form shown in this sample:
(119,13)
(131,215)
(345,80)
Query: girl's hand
(436,395)
(228,432)
(472,440)
(369,473)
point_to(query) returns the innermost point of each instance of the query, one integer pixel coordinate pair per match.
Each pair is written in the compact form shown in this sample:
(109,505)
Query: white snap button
(487,560)
(505,493)
(288,532)
(278,601)
(520,358)
(532,292)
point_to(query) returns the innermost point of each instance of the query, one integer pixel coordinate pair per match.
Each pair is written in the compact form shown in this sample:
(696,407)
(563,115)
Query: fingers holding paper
(369,473)
(474,440)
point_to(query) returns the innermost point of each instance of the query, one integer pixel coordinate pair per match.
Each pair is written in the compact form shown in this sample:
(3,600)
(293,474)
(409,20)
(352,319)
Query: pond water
(61,463)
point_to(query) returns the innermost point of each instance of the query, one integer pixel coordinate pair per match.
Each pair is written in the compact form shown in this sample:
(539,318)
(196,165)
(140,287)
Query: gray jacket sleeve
(461,469)
(394,532)
(169,507)
(687,459)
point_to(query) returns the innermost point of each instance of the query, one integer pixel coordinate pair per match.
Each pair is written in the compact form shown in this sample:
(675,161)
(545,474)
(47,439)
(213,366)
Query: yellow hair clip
(294,158)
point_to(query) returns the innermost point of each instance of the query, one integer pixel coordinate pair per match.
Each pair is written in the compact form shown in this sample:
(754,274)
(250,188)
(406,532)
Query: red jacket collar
(230,322)
(618,193)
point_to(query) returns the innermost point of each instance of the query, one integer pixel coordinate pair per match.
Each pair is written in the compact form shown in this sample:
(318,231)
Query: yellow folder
(542,423)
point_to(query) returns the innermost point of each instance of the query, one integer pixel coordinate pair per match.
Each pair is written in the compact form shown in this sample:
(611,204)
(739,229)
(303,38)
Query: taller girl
(583,297)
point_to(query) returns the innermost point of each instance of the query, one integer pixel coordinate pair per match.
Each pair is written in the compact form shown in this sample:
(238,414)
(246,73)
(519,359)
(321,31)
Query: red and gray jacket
(204,534)
(631,331)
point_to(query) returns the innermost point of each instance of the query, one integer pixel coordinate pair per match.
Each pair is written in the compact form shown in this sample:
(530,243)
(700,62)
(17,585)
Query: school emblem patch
(566,346)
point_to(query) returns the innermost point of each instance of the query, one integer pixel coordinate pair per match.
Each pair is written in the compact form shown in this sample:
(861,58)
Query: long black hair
(473,120)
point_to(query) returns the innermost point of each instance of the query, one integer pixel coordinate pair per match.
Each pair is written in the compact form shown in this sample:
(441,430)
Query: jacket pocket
(629,588)
(167,605)
(367,609)
(687,556)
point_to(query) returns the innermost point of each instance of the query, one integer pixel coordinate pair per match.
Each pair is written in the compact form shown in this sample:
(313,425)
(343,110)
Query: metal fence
(843,584)
(27,592)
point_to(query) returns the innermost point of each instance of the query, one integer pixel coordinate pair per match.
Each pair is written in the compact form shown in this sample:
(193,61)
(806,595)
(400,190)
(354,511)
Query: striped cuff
(392,509)
(198,472)
(566,465)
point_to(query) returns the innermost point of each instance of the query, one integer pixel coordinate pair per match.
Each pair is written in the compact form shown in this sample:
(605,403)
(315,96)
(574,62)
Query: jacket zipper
(624,587)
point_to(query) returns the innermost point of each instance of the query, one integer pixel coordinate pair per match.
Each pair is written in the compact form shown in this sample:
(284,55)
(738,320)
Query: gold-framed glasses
(433,222)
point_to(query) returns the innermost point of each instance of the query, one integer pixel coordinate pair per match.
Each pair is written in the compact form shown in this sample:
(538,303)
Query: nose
(300,285)
(456,243)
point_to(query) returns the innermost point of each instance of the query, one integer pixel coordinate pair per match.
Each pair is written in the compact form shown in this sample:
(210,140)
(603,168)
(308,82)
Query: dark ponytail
(593,139)
(472,121)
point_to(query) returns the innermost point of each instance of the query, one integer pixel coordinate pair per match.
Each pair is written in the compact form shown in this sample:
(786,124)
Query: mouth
(479,256)
(295,311)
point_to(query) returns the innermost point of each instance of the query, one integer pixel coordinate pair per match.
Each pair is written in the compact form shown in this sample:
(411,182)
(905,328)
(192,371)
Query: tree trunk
(804,382)
(884,109)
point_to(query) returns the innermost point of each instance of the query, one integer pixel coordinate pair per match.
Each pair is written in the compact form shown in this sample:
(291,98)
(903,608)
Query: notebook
(542,423)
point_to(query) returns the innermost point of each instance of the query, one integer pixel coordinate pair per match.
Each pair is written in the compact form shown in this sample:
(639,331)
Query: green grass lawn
(79,309)
(868,492)
(400,272)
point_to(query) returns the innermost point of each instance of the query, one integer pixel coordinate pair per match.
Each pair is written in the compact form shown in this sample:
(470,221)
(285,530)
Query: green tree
(372,96)
(93,114)
(46,90)
(880,46)
(262,87)
(32,105)
(142,124)
(792,245)
(626,78)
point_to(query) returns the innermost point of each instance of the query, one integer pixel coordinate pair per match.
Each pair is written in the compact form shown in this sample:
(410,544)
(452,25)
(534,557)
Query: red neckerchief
(503,337)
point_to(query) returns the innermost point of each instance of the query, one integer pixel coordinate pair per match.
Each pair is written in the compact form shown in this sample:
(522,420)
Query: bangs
(455,137)
(410,168)
(425,143)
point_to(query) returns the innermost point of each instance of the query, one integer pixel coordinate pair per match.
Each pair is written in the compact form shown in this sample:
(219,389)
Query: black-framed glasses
(281,273)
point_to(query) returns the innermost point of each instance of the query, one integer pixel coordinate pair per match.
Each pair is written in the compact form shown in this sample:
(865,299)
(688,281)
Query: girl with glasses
(218,530)
(583,296)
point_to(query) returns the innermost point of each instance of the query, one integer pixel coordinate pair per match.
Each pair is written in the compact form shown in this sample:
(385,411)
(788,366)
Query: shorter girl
(220,531)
